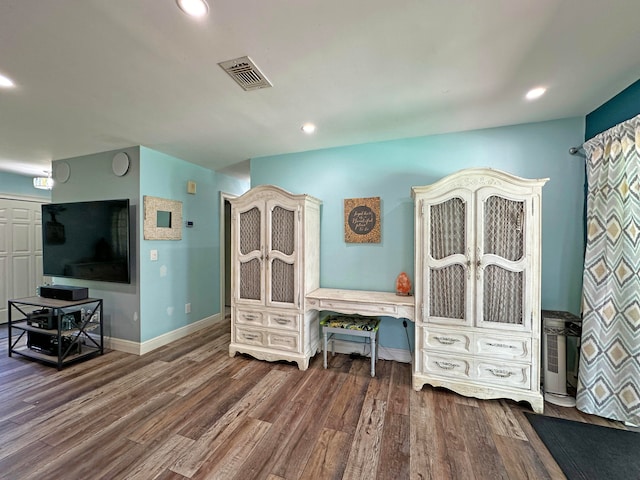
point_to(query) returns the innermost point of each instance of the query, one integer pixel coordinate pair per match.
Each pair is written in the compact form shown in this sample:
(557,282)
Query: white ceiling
(97,75)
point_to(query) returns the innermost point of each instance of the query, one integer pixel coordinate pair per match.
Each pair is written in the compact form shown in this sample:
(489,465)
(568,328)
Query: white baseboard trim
(341,346)
(384,353)
(126,346)
(137,348)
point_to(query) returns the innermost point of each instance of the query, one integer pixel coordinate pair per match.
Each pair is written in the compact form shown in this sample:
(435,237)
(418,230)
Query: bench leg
(324,350)
(373,355)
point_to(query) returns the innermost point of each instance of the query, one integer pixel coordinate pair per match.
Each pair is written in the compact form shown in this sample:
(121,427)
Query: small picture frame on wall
(362,220)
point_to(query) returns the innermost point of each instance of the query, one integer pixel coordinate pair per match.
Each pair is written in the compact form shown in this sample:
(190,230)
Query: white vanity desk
(361,302)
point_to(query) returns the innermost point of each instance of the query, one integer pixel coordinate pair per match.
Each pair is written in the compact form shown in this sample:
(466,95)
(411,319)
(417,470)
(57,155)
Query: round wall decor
(120,164)
(61,172)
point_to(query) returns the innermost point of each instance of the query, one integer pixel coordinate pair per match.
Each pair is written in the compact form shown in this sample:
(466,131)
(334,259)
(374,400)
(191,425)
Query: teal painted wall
(138,311)
(21,185)
(92,178)
(389,170)
(187,270)
(622,107)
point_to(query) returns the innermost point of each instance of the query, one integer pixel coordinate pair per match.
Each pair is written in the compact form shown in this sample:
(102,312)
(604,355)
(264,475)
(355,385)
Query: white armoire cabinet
(275,262)
(477,269)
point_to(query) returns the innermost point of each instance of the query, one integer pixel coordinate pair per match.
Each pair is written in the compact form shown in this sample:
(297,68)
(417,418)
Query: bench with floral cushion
(354,325)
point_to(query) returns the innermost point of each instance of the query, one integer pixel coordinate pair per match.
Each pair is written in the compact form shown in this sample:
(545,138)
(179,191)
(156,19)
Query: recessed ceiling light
(308,128)
(193,8)
(535,93)
(6,82)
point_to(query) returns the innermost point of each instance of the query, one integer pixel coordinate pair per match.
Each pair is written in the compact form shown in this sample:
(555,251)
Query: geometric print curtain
(609,372)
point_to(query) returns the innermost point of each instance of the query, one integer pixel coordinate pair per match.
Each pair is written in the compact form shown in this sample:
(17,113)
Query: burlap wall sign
(362,220)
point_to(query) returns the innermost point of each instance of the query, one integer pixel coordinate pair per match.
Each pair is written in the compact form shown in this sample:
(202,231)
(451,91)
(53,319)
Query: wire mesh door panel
(282,253)
(502,262)
(250,257)
(448,274)
(447,293)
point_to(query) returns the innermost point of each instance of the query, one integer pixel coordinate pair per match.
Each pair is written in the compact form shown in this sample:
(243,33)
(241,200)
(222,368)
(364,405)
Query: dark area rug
(585,451)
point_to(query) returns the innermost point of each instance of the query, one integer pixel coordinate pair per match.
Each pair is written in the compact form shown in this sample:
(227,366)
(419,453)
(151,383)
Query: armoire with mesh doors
(275,262)
(477,276)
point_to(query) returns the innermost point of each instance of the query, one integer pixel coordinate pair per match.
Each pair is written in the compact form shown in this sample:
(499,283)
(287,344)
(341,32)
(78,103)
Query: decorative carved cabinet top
(473,178)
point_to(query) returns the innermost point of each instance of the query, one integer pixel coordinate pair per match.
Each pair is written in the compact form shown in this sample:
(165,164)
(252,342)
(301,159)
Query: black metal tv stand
(56,332)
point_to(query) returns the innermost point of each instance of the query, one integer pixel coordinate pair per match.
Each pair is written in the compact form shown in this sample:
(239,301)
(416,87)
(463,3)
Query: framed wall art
(362,220)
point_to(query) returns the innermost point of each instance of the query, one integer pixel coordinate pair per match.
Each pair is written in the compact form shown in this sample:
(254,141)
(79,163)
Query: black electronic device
(64,292)
(48,344)
(87,240)
(42,318)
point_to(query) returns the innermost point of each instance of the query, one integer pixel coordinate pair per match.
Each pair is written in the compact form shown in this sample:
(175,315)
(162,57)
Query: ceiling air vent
(245,73)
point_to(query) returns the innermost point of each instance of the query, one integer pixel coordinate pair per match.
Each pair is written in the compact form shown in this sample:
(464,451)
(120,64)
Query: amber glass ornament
(403,284)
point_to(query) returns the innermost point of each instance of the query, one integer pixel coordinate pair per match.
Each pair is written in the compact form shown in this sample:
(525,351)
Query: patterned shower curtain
(609,375)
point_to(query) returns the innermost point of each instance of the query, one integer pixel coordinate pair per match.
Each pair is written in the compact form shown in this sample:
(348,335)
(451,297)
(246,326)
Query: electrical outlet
(187,308)
(153,255)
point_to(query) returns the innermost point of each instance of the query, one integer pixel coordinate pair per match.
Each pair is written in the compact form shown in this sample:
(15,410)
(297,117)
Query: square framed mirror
(162,219)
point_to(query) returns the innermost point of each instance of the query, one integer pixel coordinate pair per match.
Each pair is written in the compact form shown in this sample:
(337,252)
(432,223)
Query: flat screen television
(86,240)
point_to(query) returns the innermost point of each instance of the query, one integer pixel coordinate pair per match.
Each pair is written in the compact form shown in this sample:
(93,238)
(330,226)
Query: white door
(282,262)
(247,240)
(448,236)
(503,259)
(20,250)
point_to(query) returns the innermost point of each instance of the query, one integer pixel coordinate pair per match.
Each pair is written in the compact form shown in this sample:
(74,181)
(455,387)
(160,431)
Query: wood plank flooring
(187,410)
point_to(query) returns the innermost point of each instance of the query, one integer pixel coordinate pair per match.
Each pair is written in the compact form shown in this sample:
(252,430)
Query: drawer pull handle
(282,321)
(250,317)
(501,345)
(500,373)
(447,365)
(251,336)
(447,340)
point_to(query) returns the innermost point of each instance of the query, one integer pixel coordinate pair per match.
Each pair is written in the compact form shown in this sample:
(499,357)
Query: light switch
(154,255)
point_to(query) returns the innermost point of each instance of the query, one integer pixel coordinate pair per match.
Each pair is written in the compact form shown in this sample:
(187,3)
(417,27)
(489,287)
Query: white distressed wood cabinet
(477,264)
(275,262)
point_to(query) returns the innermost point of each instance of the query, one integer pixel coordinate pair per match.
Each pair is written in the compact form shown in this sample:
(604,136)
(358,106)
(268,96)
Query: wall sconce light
(43,183)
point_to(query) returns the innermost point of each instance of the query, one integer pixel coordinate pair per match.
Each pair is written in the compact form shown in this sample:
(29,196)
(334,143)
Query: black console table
(55,332)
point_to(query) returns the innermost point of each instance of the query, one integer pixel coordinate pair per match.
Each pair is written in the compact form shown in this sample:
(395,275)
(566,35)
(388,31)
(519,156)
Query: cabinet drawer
(249,336)
(446,365)
(283,321)
(505,374)
(283,341)
(447,341)
(249,317)
(507,348)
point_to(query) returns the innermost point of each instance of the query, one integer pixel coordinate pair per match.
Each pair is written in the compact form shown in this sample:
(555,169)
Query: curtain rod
(576,151)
